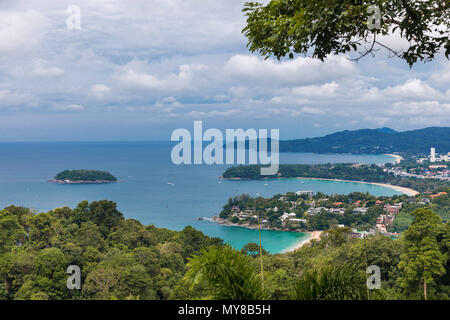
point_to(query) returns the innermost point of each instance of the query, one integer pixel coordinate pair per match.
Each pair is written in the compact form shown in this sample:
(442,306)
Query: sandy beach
(398,158)
(315,235)
(407,191)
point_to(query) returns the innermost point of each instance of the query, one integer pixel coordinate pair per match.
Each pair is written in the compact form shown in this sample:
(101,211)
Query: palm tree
(331,283)
(230,274)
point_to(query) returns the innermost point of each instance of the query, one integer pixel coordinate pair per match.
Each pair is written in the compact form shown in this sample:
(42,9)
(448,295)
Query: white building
(433,155)
(309,193)
(298,220)
(361,210)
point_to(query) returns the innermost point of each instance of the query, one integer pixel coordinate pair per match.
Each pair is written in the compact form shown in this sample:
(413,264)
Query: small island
(83,177)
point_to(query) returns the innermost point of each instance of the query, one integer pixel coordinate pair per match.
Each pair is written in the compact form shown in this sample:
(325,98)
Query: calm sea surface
(152,189)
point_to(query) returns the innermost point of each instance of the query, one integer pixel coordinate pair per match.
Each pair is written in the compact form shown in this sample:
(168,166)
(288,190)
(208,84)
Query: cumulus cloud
(136,75)
(325,90)
(412,89)
(298,71)
(100,90)
(43,69)
(425,108)
(182,60)
(13,98)
(442,77)
(21,31)
(70,107)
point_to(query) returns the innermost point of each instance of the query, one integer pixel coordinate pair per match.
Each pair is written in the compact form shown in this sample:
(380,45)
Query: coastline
(314,235)
(407,191)
(311,235)
(227,223)
(80,181)
(398,158)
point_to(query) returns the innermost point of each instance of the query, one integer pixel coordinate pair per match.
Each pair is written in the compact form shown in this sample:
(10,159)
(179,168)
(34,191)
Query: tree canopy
(323,27)
(123,259)
(422,260)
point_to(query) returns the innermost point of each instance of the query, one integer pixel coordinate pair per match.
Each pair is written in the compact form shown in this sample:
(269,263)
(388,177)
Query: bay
(153,190)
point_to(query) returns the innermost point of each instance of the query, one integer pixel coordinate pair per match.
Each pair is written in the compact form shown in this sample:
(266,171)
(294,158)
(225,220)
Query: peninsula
(83,177)
(385,175)
(306,211)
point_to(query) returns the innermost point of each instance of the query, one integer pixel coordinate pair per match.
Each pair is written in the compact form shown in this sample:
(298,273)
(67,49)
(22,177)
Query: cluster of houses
(337,209)
(438,195)
(434,171)
(386,219)
(243,214)
(290,219)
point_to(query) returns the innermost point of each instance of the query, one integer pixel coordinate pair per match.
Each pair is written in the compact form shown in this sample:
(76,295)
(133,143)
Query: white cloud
(70,107)
(412,89)
(178,59)
(42,68)
(426,108)
(298,71)
(21,31)
(100,90)
(442,76)
(310,110)
(10,98)
(136,75)
(325,90)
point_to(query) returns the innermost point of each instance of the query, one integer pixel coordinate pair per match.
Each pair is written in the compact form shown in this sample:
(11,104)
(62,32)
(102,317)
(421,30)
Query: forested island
(83,177)
(340,171)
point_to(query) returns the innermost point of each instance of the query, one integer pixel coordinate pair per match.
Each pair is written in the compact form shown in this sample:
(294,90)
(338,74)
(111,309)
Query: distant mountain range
(374,141)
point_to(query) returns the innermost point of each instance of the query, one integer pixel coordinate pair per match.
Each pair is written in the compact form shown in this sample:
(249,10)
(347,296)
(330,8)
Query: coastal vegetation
(84,176)
(119,258)
(340,171)
(123,259)
(372,173)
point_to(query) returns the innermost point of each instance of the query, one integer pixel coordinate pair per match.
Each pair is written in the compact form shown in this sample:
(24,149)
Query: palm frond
(331,283)
(230,274)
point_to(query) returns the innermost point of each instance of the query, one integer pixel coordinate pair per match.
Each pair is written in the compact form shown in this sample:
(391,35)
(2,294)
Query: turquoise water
(145,170)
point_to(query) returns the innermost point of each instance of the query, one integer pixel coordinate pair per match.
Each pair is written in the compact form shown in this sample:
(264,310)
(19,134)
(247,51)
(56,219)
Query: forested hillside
(122,259)
(374,141)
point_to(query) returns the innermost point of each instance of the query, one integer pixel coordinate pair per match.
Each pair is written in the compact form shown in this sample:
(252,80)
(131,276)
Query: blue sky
(139,69)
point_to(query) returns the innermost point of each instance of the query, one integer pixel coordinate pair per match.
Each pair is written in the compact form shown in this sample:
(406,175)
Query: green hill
(374,141)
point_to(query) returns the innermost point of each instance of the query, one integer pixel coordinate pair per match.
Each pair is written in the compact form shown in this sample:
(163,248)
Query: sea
(153,190)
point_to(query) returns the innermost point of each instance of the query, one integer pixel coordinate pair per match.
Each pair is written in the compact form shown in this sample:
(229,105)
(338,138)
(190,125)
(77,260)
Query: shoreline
(398,158)
(227,223)
(311,235)
(314,235)
(80,181)
(407,191)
